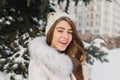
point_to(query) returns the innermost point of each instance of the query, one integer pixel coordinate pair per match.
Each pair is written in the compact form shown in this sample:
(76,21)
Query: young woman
(59,55)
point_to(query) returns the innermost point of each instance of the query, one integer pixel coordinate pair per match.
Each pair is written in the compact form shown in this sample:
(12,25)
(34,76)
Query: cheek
(54,40)
(70,38)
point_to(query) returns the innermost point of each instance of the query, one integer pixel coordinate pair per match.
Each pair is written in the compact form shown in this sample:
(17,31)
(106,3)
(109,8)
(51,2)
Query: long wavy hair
(75,50)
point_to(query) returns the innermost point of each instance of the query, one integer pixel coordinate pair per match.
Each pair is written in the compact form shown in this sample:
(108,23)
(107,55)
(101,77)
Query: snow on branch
(96,51)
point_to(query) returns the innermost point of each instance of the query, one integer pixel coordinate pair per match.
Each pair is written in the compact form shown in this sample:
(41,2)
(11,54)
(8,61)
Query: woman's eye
(70,32)
(60,30)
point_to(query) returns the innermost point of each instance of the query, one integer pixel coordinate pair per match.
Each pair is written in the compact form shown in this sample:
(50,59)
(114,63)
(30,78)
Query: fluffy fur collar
(58,63)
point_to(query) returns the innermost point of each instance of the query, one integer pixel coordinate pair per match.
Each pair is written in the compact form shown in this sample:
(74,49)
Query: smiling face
(62,36)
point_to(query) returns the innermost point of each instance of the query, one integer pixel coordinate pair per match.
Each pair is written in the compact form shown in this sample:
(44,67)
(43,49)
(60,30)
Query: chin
(61,50)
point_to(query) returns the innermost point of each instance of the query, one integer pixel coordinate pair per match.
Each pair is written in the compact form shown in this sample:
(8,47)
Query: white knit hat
(51,20)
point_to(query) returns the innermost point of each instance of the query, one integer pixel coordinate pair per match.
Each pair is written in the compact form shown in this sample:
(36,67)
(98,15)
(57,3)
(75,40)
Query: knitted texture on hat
(51,20)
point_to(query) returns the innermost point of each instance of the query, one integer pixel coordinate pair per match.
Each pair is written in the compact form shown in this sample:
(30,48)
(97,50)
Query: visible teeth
(63,42)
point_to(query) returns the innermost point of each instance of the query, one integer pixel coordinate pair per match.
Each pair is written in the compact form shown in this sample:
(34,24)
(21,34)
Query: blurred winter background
(107,71)
(97,22)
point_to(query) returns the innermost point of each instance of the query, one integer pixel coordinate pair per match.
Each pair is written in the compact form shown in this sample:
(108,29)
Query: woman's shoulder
(36,41)
(36,44)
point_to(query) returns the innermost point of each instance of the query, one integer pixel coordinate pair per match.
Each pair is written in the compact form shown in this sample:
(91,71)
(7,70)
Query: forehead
(63,24)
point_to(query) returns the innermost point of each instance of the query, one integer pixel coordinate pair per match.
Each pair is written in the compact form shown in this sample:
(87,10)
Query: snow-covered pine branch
(96,50)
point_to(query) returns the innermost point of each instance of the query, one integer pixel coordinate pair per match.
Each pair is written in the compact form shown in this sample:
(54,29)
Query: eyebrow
(63,28)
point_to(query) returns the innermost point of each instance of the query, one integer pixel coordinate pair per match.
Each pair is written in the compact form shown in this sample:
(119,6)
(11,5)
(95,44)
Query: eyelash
(68,31)
(60,30)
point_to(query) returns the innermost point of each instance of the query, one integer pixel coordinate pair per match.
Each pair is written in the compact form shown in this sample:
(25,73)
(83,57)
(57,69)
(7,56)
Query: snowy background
(107,71)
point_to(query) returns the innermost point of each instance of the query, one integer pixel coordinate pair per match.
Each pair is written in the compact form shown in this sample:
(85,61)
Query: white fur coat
(46,63)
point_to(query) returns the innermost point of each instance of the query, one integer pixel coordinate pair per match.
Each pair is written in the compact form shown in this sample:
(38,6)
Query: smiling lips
(63,43)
